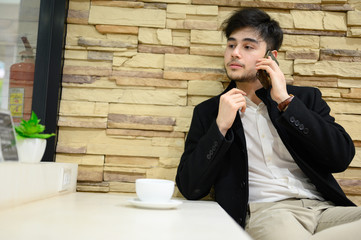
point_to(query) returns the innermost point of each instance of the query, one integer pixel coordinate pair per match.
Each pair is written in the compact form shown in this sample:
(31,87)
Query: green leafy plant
(31,128)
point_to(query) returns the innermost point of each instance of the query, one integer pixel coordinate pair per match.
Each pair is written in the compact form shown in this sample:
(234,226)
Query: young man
(269,153)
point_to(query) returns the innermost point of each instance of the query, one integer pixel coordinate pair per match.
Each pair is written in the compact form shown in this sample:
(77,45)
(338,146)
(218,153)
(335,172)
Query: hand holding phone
(263,76)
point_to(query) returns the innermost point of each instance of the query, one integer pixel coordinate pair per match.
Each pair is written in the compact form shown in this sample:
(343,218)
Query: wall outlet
(65,179)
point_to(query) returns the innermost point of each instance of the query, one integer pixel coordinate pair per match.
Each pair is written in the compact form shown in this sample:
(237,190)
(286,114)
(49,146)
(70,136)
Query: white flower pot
(31,149)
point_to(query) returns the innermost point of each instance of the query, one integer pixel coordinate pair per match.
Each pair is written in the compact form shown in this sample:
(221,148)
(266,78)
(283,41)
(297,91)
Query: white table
(110,216)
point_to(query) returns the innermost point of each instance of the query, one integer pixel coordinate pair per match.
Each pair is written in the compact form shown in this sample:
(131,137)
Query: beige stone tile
(86,81)
(127,53)
(170,1)
(82,122)
(327,68)
(195,74)
(316,81)
(200,24)
(100,56)
(353,18)
(81,159)
(119,61)
(143,133)
(134,17)
(354,93)
(139,126)
(136,96)
(85,109)
(169,162)
(155,110)
(148,35)
(354,32)
(207,37)
(118,41)
(101,187)
(130,161)
(193,61)
(123,4)
(335,21)
(192,9)
(312,54)
(348,83)
(76,30)
(90,173)
(123,174)
(207,50)
(351,123)
(149,82)
(76,148)
(126,148)
(79,5)
(162,173)
(195,100)
(137,72)
(105,29)
(161,49)
(356,162)
(340,107)
(168,142)
(76,54)
(124,38)
(204,88)
(290,42)
(164,36)
(121,187)
(181,37)
(175,23)
(340,43)
(77,17)
(145,60)
(285,19)
(330,92)
(308,19)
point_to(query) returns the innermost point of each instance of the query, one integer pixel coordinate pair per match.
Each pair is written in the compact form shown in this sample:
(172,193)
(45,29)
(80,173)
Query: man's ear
(275,53)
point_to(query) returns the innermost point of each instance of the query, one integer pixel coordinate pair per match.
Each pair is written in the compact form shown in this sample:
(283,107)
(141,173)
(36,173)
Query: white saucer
(157,205)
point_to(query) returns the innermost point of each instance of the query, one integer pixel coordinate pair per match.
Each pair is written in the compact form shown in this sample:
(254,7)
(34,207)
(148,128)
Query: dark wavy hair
(268,29)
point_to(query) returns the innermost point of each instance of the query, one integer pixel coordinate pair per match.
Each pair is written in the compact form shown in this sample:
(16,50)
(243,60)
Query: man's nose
(236,53)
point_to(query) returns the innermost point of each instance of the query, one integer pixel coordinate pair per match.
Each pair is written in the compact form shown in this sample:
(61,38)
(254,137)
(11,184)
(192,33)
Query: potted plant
(31,141)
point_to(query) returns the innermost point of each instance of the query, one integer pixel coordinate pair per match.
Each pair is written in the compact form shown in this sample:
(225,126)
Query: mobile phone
(263,76)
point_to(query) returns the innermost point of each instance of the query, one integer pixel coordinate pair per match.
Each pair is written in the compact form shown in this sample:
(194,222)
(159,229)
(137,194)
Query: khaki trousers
(300,219)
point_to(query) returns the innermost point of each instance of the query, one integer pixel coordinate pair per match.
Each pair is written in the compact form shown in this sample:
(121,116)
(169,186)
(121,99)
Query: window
(31,47)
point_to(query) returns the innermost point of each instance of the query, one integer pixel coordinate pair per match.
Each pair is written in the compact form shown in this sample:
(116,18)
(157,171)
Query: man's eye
(248,47)
(231,46)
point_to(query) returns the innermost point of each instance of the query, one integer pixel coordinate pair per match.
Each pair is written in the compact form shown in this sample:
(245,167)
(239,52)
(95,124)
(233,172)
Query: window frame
(48,68)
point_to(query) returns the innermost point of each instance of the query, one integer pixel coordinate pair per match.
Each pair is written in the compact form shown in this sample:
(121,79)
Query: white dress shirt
(273,174)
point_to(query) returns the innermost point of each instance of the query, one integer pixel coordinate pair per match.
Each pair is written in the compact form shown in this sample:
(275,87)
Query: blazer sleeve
(314,134)
(205,148)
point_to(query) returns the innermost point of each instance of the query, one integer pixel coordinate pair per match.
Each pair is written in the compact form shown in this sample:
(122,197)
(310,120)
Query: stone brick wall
(134,70)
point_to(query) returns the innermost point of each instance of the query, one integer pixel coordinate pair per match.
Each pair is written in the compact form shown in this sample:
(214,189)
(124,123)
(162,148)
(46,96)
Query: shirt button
(292,119)
(297,123)
(301,127)
(306,131)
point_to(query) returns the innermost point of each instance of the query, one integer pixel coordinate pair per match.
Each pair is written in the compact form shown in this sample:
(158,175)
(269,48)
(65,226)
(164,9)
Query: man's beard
(250,77)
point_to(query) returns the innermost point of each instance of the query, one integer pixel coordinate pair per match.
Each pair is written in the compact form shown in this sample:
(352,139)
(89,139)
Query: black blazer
(318,145)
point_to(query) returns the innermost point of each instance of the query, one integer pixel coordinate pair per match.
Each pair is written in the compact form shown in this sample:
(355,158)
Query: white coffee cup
(154,190)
